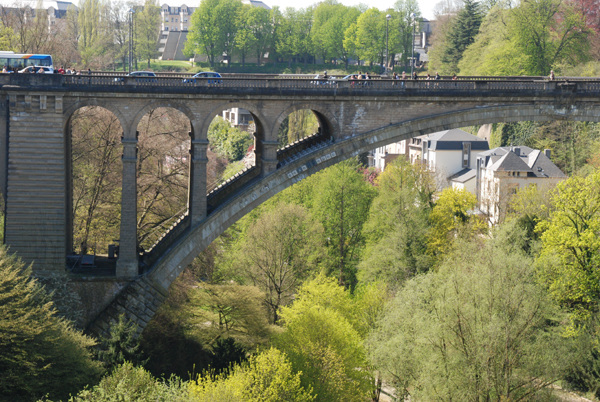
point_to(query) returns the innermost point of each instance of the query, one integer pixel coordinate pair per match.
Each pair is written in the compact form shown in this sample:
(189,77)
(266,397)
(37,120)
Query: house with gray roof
(500,172)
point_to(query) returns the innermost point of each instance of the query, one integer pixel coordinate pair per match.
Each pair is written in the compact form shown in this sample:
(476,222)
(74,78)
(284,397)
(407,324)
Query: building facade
(502,171)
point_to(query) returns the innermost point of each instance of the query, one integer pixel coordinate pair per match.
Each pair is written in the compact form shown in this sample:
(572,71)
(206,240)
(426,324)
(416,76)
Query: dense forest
(352,282)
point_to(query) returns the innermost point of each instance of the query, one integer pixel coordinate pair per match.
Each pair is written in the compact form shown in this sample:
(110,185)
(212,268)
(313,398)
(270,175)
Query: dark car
(205,75)
(141,76)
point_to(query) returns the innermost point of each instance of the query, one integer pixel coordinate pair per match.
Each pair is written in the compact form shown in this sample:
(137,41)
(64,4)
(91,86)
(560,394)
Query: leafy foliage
(396,229)
(569,262)
(213,29)
(266,377)
(40,353)
(228,141)
(478,328)
(323,344)
(228,311)
(121,346)
(341,200)
(452,218)
(130,383)
(462,33)
(280,250)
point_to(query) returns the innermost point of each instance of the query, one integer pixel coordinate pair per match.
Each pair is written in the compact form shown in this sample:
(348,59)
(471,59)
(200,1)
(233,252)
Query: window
(466,154)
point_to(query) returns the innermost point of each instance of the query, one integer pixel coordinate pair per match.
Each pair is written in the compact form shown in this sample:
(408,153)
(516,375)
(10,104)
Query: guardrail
(107,83)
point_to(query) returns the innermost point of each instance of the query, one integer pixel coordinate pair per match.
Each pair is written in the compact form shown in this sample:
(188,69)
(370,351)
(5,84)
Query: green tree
(266,377)
(400,30)
(245,40)
(549,32)
(569,262)
(213,29)
(451,218)
(493,51)
(261,26)
(88,20)
(341,203)
(228,141)
(40,353)
(228,311)
(122,345)
(147,26)
(479,328)
(462,33)
(397,226)
(130,383)
(281,249)
(293,40)
(322,343)
(330,22)
(370,36)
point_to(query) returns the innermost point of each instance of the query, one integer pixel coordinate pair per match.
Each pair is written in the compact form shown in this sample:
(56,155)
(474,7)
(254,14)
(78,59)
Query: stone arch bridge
(354,117)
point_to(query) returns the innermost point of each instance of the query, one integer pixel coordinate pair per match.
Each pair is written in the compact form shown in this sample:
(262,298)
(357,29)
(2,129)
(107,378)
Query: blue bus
(16,61)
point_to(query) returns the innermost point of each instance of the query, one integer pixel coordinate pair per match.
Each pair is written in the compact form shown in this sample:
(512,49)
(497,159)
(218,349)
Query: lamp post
(387,54)
(130,39)
(412,57)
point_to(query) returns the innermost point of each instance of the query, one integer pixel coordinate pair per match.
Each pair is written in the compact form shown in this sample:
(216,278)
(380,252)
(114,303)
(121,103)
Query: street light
(412,57)
(387,54)
(130,38)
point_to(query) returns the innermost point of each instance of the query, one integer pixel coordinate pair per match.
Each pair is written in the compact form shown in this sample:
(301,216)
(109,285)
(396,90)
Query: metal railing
(258,84)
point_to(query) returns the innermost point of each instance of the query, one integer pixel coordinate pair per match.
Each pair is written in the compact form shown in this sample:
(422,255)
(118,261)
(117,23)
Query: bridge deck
(282,85)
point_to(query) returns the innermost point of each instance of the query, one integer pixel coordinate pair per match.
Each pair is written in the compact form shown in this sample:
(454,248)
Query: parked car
(323,80)
(36,69)
(141,76)
(205,75)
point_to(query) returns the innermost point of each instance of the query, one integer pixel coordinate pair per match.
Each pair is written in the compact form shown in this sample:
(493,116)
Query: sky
(426,6)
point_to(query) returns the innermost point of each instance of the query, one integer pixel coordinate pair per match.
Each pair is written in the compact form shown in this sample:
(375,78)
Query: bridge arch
(87,102)
(327,121)
(259,119)
(193,117)
(97,143)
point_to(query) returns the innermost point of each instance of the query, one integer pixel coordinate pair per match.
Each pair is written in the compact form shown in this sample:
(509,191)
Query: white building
(240,118)
(502,171)
(450,154)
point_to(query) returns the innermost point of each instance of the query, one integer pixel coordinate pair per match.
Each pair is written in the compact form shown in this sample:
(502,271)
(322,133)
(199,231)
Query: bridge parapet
(302,147)
(231,186)
(283,85)
(160,247)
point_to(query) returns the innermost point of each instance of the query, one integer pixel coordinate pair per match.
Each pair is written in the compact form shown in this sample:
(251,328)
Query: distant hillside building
(175,24)
(502,171)
(23,9)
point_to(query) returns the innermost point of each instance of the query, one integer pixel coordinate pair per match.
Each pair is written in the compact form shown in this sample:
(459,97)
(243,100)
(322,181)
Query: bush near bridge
(40,352)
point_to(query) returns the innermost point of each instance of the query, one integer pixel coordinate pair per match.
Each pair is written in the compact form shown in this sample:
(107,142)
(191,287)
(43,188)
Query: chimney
(547,152)
(517,150)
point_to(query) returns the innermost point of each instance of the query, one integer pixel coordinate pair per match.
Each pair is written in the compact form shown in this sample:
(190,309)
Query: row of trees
(328,30)
(529,38)
(95,34)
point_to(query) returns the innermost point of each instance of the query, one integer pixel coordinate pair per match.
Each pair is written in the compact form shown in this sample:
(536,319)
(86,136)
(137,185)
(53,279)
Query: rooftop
(521,159)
